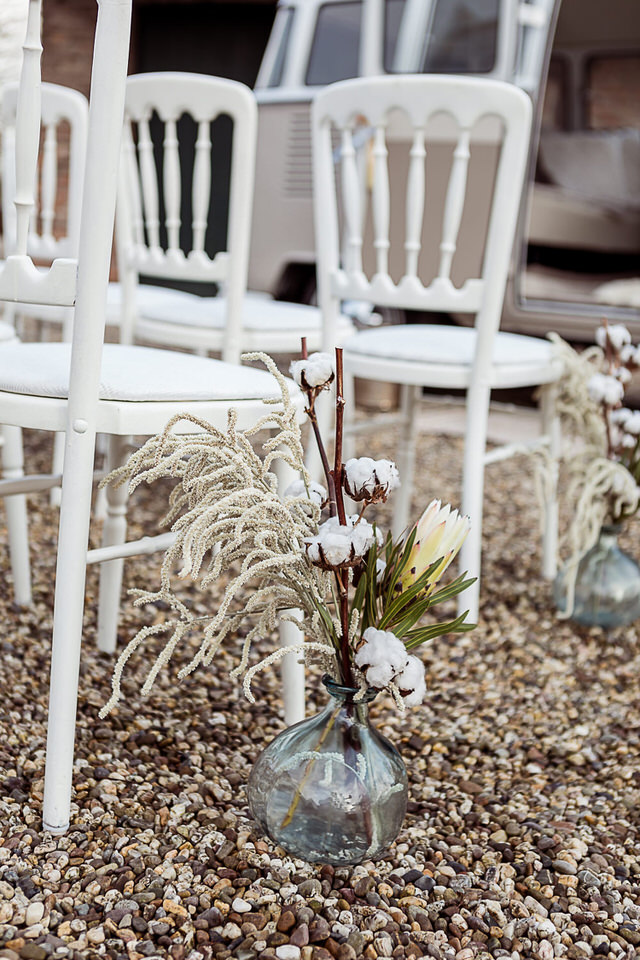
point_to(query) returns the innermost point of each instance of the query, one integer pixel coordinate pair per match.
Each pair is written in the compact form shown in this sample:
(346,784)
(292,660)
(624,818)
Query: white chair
(54,224)
(420,115)
(150,218)
(81,388)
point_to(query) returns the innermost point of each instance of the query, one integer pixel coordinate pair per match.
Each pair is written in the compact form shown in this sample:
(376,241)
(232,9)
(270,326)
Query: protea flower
(440,532)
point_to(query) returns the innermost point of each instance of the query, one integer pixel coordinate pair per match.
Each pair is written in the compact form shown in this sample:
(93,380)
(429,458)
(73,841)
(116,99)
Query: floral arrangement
(363,595)
(604,472)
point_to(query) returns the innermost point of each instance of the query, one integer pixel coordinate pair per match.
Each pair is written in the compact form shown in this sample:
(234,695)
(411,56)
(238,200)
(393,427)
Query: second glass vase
(607,586)
(331,789)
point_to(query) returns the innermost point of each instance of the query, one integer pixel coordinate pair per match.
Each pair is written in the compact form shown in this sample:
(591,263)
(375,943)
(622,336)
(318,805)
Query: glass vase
(607,587)
(331,789)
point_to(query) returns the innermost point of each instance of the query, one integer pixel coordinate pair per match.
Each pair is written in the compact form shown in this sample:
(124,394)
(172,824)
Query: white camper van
(578,250)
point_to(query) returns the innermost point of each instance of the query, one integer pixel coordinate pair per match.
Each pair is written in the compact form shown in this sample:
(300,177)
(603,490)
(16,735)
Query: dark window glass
(334,52)
(278,66)
(461,37)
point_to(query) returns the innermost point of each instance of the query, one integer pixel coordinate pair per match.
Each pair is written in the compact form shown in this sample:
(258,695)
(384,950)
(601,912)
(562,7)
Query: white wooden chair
(421,114)
(54,224)
(150,217)
(81,388)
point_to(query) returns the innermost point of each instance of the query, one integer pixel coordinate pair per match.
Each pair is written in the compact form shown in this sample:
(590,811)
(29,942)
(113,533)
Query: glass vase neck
(347,694)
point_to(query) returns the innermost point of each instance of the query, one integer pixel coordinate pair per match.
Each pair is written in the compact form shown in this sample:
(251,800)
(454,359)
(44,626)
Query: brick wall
(67,30)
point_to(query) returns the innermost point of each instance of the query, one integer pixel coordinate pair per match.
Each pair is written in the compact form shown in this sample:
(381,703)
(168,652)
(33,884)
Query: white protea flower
(381,657)
(313,491)
(617,334)
(411,682)
(440,532)
(605,389)
(340,546)
(368,479)
(314,372)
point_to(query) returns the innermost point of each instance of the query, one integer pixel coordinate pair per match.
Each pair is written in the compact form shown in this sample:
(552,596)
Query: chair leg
(67,629)
(55,494)
(551,429)
(114,531)
(292,669)
(17,520)
(473,494)
(406,460)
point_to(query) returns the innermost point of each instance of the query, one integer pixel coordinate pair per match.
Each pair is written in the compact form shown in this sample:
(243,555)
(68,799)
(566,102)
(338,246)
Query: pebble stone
(521,837)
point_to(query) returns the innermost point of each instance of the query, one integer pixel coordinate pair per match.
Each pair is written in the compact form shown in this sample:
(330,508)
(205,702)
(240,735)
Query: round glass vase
(607,587)
(331,789)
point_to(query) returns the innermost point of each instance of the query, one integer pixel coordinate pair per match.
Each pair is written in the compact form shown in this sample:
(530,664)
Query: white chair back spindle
(407,97)
(169,96)
(54,224)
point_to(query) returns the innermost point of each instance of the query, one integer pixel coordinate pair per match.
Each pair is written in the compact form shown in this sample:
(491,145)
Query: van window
(275,78)
(462,36)
(334,51)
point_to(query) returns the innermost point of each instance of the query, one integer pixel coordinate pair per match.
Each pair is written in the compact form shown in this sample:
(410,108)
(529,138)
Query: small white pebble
(288,951)
(240,905)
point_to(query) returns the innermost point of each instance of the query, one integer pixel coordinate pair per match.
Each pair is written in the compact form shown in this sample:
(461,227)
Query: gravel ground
(521,838)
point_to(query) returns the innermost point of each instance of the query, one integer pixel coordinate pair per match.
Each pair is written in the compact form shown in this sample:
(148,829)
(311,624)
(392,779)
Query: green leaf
(417,637)
(452,589)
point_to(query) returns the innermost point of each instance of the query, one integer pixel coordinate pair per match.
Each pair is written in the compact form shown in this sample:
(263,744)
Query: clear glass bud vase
(607,587)
(331,788)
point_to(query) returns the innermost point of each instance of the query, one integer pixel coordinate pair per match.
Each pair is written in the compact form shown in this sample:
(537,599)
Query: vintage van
(577,255)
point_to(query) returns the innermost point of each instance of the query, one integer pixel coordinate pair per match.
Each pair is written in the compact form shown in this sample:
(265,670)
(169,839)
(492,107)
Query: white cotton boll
(605,389)
(411,682)
(620,415)
(629,441)
(316,492)
(337,545)
(623,375)
(314,371)
(365,477)
(618,334)
(631,423)
(381,656)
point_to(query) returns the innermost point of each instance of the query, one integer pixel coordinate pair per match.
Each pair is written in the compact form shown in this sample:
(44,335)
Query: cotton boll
(617,333)
(315,492)
(381,657)
(631,423)
(368,479)
(604,389)
(411,682)
(335,545)
(623,375)
(313,371)
(620,415)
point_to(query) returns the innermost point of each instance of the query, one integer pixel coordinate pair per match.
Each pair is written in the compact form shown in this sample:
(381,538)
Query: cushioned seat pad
(424,343)
(132,373)
(259,311)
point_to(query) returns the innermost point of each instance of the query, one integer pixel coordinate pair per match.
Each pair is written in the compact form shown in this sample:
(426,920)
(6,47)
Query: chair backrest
(54,224)
(397,150)
(166,231)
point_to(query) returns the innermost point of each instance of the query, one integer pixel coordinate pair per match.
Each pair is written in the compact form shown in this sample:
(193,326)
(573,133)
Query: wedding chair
(150,206)
(54,224)
(420,115)
(83,387)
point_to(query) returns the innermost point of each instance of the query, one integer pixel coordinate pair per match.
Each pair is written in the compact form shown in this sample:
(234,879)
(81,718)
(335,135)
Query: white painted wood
(238,322)
(415,203)
(474,359)
(381,200)
(84,387)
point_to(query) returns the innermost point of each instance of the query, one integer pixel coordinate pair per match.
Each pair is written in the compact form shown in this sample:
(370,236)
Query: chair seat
(442,356)
(139,388)
(133,374)
(165,315)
